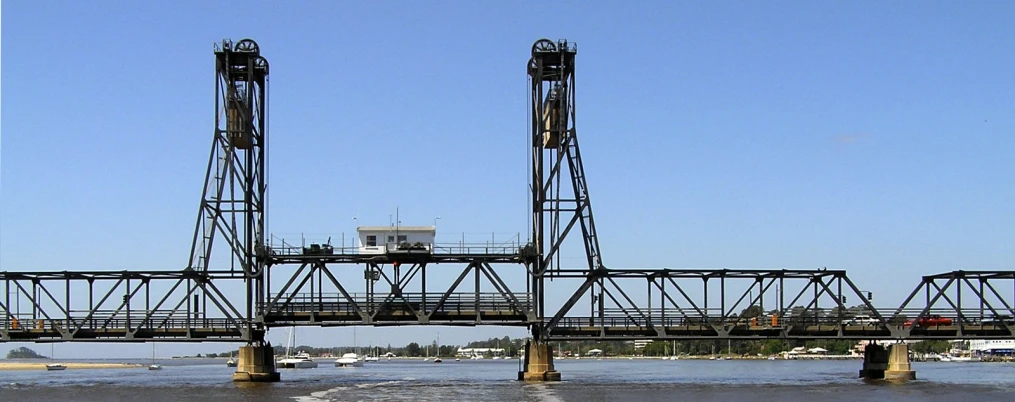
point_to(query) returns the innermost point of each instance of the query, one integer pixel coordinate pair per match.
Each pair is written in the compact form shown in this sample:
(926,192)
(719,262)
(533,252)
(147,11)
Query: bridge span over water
(119,306)
(255,284)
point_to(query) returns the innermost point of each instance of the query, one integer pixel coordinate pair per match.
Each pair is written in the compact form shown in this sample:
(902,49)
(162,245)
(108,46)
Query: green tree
(23,353)
(413,350)
(930,346)
(773,346)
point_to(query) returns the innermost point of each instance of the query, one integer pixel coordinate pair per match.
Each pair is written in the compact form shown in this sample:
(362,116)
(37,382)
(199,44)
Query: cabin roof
(389,229)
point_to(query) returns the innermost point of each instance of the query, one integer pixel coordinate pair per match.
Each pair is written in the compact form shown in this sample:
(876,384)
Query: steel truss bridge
(261,285)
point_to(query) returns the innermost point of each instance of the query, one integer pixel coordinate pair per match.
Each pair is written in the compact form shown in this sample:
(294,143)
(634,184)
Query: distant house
(594,352)
(394,239)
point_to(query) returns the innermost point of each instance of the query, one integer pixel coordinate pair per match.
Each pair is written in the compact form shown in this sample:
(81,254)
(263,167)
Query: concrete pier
(892,364)
(538,365)
(875,362)
(898,363)
(256,364)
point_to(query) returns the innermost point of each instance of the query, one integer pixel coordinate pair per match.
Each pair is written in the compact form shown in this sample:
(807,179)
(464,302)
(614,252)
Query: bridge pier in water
(538,365)
(256,363)
(890,364)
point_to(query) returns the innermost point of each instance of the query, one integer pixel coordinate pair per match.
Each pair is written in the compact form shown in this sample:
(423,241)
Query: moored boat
(349,360)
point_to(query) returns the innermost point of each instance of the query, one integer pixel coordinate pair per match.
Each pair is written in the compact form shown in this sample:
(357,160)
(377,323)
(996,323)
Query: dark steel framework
(801,304)
(188,305)
(233,201)
(119,306)
(191,305)
(560,196)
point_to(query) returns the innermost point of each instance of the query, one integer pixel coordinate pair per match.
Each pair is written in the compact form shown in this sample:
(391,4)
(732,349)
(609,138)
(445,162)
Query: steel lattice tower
(560,197)
(233,200)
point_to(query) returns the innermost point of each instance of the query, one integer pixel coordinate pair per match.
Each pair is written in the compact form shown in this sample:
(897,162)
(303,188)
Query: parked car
(1000,320)
(930,321)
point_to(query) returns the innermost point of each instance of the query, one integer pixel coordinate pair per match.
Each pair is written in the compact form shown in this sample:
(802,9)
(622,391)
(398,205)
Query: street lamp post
(355,223)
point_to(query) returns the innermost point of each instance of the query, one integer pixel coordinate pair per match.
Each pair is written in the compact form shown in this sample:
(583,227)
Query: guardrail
(905,318)
(336,302)
(96,323)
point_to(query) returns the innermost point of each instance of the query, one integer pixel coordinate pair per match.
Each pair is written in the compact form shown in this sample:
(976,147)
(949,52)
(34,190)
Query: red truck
(930,321)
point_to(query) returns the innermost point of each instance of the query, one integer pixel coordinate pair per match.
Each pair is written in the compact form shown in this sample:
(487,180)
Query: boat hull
(296,364)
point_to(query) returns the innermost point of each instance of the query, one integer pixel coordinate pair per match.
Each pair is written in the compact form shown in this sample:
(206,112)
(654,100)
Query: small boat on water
(154,366)
(372,357)
(437,347)
(299,360)
(958,358)
(54,366)
(349,360)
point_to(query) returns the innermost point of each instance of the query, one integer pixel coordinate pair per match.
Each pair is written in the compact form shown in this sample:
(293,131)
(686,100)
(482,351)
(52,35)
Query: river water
(492,380)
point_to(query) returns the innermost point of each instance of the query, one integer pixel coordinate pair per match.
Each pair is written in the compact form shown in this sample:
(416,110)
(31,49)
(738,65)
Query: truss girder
(118,306)
(406,297)
(782,304)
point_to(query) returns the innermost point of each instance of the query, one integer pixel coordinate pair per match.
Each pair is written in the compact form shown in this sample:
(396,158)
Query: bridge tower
(560,197)
(233,199)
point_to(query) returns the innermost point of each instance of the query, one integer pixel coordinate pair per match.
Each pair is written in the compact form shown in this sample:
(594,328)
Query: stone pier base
(875,362)
(538,365)
(899,368)
(256,364)
(891,364)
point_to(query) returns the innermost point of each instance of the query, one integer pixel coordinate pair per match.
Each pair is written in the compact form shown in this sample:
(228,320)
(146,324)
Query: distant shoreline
(5,366)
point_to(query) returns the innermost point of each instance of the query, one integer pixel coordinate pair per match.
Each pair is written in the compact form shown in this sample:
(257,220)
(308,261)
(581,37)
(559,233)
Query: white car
(861,320)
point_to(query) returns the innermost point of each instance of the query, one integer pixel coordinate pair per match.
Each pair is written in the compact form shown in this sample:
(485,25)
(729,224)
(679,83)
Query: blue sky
(866,136)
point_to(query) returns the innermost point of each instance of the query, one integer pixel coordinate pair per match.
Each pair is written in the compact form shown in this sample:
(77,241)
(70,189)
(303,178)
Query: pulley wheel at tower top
(543,45)
(247,45)
(532,65)
(262,64)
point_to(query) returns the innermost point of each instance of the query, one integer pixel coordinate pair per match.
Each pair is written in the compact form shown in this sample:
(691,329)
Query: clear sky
(874,137)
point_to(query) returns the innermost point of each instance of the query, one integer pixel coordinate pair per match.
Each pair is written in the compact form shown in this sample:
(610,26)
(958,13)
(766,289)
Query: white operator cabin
(394,239)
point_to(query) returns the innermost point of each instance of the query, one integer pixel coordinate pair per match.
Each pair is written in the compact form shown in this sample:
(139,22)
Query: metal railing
(280,246)
(456,302)
(933,318)
(99,323)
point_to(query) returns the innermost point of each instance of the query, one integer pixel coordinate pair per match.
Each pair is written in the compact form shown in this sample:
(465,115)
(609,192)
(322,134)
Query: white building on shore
(992,347)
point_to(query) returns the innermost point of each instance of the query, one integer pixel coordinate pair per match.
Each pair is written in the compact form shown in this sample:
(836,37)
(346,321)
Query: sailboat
(154,366)
(231,362)
(437,345)
(299,360)
(350,359)
(54,366)
(372,356)
(496,354)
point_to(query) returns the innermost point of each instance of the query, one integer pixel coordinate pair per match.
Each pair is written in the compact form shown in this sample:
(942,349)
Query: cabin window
(371,241)
(391,239)
(401,238)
